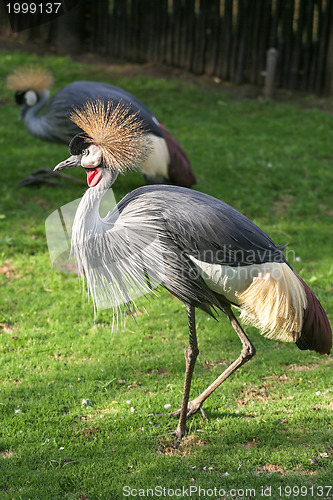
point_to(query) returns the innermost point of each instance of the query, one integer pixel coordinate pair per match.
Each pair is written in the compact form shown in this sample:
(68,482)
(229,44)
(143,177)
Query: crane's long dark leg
(191,355)
(248,351)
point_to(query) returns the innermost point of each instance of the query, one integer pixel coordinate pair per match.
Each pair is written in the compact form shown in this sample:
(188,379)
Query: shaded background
(227,39)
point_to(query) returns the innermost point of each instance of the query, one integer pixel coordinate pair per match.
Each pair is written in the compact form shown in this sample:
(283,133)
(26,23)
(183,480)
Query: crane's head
(87,155)
(113,140)
(29,83)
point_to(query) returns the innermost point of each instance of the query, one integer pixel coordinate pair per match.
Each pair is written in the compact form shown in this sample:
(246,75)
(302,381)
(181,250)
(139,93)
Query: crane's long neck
(87,221)
(35,124)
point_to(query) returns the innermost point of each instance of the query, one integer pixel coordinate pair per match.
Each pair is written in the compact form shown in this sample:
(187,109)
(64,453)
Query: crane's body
(206,253)
(49,120)
(203,251)
(55,125)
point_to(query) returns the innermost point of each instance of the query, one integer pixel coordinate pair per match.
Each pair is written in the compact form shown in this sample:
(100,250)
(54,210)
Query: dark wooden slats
(228,39)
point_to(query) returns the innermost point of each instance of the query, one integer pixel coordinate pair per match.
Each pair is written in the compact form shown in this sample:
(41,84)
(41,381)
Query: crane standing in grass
(167,161)
(202,250)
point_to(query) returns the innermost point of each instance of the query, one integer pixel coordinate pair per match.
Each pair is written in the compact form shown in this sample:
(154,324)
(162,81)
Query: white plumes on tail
(275,303)
(29,78)
(118,133)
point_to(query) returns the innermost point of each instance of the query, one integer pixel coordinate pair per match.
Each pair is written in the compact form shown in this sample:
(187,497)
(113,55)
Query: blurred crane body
(167,162)
(206,253)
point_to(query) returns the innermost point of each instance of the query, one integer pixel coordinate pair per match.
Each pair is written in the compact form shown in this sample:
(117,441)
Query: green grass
(270,424)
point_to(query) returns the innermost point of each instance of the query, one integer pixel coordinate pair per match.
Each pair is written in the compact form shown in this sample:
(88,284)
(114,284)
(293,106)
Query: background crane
(203,251)
(167,161)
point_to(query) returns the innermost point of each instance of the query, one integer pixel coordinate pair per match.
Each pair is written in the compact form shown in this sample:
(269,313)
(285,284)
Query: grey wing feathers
(149,239)
(76,94)
(209,229)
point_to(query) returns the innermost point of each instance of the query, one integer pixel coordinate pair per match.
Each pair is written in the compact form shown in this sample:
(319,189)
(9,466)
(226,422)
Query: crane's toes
(179,434)
(192,408)
(175,413)
(177,442)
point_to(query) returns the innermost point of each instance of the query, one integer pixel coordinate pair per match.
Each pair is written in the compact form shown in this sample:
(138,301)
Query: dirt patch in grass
(276,469)
(300,368)
(271,469)
(7,270)
(6,328)
(310,473)
(7,454)
(250,444)
(211,365)
(162,371)
(90,433)
(281,206)
(185,447)
(252,394)
(281,379)
(329,406)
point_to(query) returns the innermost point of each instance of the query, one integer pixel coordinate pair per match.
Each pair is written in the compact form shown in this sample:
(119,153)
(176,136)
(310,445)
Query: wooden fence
(225,38)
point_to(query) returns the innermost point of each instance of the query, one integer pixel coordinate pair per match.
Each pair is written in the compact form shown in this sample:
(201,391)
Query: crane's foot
(192,408)
(179,433)
(177,442)
(173,434)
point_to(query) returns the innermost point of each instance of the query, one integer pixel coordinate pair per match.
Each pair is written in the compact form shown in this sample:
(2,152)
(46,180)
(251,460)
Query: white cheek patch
(92,158)
(30,98)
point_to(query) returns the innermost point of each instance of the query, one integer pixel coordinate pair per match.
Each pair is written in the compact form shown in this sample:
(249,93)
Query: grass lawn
(270,425)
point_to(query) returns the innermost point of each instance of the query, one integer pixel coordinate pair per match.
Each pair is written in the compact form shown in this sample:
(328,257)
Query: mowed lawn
(269,427)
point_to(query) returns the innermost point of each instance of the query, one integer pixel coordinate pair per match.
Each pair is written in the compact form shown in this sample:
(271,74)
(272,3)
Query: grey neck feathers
(38,125)
(87,218)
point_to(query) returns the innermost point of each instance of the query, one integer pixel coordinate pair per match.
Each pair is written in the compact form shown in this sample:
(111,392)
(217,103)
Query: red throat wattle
(93,177)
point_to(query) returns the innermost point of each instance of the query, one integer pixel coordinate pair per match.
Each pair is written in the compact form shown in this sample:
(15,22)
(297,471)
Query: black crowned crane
(203,251)
(166,162)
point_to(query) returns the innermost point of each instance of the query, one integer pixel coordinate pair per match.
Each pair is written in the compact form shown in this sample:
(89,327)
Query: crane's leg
(191,355)
(248,351)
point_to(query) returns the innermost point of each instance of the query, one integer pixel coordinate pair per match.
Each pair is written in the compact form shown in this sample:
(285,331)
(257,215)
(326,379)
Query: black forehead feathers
(19,97)
(78,144)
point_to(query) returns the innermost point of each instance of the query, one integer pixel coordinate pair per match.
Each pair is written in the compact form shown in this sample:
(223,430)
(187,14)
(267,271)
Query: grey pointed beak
(72,161)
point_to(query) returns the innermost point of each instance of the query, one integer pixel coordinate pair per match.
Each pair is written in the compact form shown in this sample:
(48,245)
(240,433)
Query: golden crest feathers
(119,133)
(29,78)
